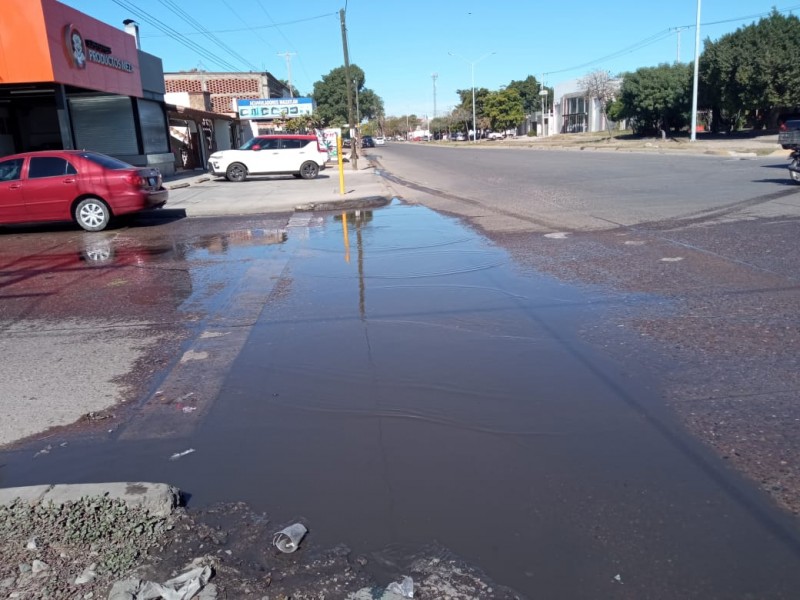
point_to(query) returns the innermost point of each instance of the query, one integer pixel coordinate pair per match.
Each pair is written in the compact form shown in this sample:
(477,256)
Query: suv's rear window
(792,124)
(108,162)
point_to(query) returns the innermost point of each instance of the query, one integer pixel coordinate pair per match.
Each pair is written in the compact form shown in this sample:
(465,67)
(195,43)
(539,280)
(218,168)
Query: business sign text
(274,108)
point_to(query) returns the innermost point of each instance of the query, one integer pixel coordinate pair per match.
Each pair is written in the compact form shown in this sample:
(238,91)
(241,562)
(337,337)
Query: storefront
(70,81)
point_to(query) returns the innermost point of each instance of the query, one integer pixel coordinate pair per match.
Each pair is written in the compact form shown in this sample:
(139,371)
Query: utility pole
(348,83)
(678,31)
(288,56)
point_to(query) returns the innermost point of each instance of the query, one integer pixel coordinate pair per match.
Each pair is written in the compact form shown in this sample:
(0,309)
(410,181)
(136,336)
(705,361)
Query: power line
(280,31)
(657,37)
(254,28)
(161,26)
(170,4)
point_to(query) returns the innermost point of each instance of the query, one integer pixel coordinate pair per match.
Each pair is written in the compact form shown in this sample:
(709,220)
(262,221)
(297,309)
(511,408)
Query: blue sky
(401,44)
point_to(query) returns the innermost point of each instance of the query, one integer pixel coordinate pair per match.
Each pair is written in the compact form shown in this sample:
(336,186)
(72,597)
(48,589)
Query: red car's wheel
(92,214)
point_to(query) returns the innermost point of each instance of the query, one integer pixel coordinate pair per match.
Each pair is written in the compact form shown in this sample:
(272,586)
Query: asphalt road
(505,189)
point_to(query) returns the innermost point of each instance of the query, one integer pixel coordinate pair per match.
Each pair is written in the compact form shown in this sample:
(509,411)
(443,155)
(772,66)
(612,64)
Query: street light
(472,69)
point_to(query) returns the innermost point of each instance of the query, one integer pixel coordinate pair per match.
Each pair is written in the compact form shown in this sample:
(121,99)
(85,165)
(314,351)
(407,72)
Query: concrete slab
(32,494)
(158,499)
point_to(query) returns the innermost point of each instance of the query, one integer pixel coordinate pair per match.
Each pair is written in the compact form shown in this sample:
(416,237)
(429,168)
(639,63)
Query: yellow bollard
(346,237)
(341,164)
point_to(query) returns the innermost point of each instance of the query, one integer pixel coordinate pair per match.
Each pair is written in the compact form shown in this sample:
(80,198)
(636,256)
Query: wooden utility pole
(348,83)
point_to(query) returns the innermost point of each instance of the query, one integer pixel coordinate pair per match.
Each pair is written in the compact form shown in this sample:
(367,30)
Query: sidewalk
(741,145)
(201,194)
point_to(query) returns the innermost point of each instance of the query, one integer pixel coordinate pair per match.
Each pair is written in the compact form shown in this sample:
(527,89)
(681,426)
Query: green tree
(528,90)
(504,109)
(466,100)
(330,96)
(303,124)
(753,70)
(654,98)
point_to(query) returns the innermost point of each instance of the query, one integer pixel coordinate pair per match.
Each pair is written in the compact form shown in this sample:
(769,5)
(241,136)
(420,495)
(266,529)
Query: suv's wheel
(309,170)
(92,214)
(236,172)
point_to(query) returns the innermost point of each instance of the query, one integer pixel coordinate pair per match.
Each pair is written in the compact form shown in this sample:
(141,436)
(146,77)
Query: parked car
(789,134)
(75,185)
(289,154)
(459,137)
(380,141)
(495,135)
(367,142)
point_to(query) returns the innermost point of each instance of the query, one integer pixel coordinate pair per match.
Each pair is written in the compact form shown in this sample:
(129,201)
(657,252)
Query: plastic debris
(618,578)
(672,259)
(288,539)
(405,588)
(32,545)
(182,587)
(188,409)
(557,235)
(45,450)
(178,455)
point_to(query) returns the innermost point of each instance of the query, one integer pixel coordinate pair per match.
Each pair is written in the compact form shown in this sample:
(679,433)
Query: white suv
(298,155)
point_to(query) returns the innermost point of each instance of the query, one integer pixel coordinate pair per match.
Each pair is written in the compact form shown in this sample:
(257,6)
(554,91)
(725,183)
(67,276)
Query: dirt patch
(79,550)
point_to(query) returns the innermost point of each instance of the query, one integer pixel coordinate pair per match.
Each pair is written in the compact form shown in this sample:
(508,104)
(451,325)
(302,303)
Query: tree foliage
(504,109)
(330,95)
(302,124)
(754,69)
(466,101)
(654,98)
(528,90)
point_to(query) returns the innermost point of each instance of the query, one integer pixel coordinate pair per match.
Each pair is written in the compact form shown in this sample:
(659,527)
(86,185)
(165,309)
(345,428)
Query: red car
(74,185)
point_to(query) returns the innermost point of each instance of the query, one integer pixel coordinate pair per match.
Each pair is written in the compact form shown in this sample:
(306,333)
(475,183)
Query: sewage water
(406,383)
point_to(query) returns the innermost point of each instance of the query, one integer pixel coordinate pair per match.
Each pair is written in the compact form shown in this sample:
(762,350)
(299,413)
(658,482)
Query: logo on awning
(75,47)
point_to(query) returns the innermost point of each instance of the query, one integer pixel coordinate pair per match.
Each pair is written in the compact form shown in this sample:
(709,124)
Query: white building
(574,111)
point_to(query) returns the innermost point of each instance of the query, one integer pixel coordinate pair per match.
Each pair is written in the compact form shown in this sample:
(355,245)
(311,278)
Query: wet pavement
(399,380)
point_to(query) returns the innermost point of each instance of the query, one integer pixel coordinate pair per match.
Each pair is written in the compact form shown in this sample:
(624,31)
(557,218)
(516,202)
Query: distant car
(789,135)
(459,137)
(495,135)
(367,142)
(75,185)
(283,154)
(380,141)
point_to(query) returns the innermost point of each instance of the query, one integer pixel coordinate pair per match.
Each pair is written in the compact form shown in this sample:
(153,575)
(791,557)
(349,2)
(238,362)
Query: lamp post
(472,64)
(696,75)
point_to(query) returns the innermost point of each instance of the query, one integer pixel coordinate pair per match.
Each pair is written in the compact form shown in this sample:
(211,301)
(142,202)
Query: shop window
(49,166)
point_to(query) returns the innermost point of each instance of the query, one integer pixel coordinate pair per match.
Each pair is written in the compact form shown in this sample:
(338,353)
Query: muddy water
(408,384)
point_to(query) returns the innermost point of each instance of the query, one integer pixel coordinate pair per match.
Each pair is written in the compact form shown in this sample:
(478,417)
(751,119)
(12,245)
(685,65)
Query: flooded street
(396,380)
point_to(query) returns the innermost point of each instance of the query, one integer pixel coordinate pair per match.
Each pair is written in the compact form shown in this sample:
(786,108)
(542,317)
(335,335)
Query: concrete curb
(349,204)
(158,499)
(184,184)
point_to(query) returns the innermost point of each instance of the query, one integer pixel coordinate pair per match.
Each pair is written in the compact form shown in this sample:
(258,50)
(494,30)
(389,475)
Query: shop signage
(274,108)
(80,51)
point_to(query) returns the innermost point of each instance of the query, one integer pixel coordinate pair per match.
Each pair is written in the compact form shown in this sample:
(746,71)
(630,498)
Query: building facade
(575,112)
(70,81)
(225,89)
